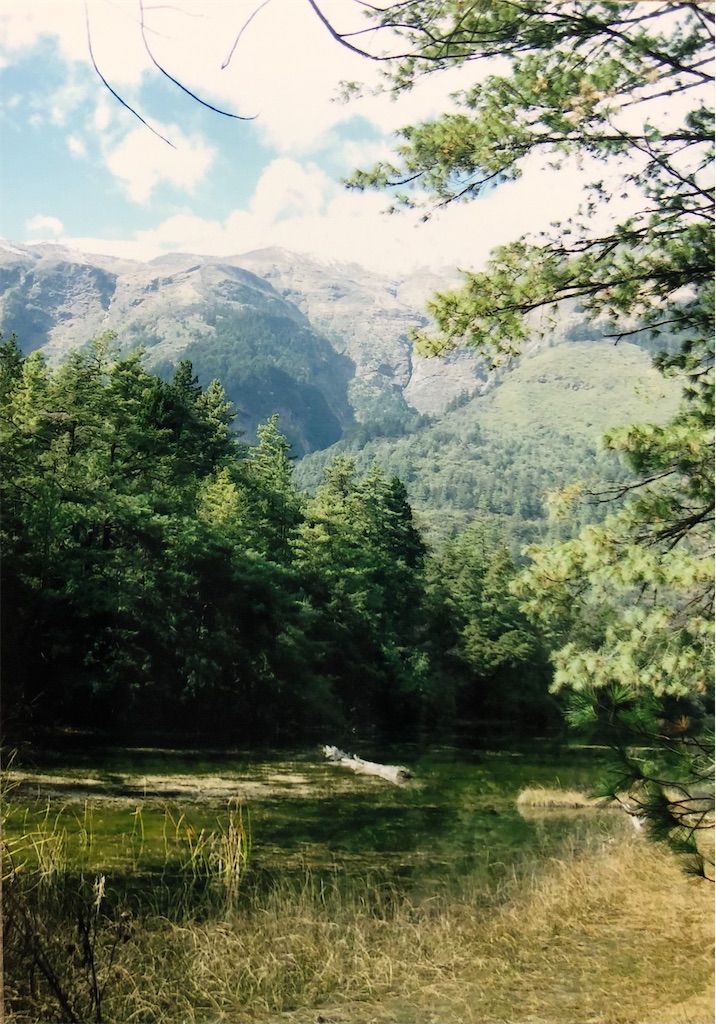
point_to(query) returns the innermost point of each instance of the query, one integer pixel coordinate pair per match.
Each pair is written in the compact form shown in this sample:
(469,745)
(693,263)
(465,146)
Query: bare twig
(175,81)
(241,32)
(113,91)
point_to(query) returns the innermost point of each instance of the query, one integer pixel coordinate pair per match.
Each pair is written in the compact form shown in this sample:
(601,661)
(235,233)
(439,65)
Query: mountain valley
(327,347)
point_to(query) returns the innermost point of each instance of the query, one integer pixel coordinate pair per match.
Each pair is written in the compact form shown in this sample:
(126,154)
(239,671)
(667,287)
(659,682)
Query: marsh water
(128,812)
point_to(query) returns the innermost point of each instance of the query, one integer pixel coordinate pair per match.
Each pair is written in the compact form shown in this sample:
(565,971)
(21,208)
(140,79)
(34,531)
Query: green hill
(538,429)
(579,388)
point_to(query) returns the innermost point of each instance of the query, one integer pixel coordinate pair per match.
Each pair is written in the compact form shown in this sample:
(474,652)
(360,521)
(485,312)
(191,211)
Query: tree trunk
(394,773)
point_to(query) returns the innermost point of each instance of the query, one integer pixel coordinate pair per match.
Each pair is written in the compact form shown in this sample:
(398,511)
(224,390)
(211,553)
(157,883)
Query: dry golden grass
(540,797)
(617,934)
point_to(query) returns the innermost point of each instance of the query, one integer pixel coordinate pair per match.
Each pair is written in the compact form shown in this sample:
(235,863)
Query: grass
(611,931)
(583,389)
(540,797)
(590,922)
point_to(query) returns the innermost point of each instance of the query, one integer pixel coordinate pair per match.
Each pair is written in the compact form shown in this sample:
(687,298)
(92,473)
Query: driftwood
(394,773)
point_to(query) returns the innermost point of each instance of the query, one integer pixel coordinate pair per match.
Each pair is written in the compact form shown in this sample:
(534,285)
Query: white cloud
(301,209)
(102,116)
(42,223)
(354,153)
(286,68)
(23,23)
(287,190)
(63,103)
(76,146)
(295,90)
(141,161)
(184,233)
(114,30)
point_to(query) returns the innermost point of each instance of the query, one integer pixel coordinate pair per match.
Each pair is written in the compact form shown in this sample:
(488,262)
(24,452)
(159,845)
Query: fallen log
(394,773)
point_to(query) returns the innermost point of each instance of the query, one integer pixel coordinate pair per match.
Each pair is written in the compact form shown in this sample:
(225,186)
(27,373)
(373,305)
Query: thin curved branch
(641,330)
(116,95)
(241,32)
(705,16)
(342,38)
(175,81)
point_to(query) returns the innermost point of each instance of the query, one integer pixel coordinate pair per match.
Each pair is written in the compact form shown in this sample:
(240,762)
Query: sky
(77,168)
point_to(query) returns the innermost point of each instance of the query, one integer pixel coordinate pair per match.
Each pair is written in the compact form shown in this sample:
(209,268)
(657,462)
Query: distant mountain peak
(278,304)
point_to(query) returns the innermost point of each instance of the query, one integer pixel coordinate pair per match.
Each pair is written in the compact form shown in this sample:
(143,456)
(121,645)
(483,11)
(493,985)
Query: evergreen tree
(482,637)
(629,606)
(276,506)
(11,360)
(628,87)
(360,559)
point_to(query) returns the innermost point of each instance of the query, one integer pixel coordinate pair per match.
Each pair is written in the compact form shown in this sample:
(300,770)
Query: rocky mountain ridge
(327,347)
(349,329)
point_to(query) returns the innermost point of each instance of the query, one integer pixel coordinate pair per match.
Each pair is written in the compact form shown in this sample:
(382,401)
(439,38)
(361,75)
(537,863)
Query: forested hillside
(160,574)
(179,569)
(537,430)
(328,348)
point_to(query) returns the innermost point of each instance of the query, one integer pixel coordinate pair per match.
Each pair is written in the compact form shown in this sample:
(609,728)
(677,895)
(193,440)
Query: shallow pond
(141,811)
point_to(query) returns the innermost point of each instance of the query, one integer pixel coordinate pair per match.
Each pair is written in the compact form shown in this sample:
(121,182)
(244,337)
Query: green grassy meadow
(159,887)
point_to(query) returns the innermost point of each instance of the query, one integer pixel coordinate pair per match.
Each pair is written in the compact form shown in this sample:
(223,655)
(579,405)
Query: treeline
(161,575)
(455,471)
